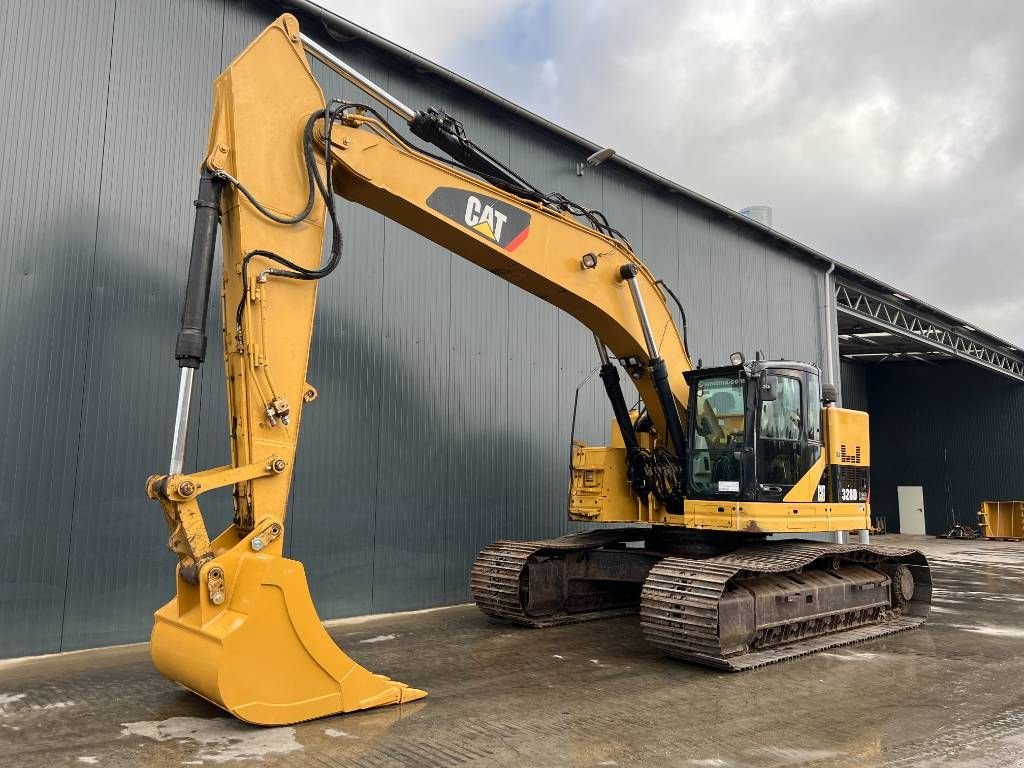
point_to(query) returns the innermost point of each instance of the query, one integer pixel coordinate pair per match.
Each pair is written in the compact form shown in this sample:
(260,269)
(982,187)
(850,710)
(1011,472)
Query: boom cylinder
(659,371)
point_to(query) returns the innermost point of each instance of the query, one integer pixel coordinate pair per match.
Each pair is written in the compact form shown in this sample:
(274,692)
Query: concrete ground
(948,694)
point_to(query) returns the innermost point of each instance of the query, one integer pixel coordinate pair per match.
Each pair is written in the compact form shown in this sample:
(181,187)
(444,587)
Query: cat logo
(496,220)
(484,218)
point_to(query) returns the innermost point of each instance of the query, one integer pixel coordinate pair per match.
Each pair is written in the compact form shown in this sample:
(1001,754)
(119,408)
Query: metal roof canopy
(864,304)
(877,328)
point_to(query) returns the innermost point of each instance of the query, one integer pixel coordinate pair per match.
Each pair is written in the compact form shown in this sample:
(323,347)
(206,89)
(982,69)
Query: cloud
(435,29)
(889,135)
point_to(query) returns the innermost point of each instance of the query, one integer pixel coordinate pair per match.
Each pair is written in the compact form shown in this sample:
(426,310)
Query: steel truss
(896,317)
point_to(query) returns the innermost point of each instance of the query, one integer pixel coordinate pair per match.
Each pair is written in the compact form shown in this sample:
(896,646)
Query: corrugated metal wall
(854,385)
(446,394)
(953,429)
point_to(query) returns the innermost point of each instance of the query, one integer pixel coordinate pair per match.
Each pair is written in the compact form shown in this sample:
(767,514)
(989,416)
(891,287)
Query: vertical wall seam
(448,429)
(380,405)
(821,321)
(87,329)
(790,272)
(711,281)
(765,253)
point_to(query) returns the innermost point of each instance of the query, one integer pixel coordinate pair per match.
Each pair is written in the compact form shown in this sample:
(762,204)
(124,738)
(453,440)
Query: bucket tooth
(263,654)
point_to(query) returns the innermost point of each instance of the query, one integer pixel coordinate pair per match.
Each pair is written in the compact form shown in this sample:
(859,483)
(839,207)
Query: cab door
(813,430)
(780,443)
(788,441)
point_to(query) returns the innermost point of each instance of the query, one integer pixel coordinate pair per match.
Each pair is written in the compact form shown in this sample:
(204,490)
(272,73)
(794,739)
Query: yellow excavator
(714,461)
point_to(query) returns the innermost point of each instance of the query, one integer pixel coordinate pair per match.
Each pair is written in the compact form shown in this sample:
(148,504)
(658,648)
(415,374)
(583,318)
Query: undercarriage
(728,601)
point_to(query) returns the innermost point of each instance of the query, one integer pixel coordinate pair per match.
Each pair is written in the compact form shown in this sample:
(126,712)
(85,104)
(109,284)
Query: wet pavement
(948,694)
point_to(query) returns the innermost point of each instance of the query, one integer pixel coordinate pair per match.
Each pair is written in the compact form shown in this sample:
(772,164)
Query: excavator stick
(242,630)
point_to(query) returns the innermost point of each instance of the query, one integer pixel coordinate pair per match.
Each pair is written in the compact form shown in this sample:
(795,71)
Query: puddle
(219,739)
(54,705)
(337,733)
(9,698)
(793,756)
(852,655)
(983,629)
(11,703)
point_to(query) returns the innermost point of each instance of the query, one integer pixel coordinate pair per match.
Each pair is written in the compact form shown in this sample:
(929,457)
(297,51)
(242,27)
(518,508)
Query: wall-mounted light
(594,160)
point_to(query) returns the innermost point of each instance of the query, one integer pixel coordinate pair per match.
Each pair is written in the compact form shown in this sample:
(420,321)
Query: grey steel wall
(446,395)
(953,429)
(854,385)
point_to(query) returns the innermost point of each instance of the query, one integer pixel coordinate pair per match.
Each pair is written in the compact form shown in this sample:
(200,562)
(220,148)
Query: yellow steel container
(1001,519)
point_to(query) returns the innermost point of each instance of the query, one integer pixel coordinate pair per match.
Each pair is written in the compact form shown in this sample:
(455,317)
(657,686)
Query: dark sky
(889,135)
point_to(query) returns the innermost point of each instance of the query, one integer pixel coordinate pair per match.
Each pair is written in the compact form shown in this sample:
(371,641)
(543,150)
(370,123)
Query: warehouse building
(446,395)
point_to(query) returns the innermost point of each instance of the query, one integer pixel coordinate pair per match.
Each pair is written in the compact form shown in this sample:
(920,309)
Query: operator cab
(754,429)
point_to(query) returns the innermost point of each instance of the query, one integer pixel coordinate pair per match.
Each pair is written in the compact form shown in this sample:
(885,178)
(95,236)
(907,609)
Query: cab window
(718,432)
(780,433)
(813,409)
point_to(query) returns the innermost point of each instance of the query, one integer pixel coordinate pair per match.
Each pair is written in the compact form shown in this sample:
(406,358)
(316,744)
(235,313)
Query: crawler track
(499,579)
(679,611)
(681,601)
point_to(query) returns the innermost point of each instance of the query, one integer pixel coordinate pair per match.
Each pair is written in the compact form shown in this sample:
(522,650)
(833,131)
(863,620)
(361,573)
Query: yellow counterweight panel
(846,435)
(246,636)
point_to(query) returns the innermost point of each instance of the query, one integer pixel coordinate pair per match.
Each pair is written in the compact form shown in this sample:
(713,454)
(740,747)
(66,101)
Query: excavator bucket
(262,654)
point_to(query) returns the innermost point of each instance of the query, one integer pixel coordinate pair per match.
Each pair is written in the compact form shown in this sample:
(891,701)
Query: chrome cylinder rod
(357,79)
(629,273)
(181,421)
(658,368)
